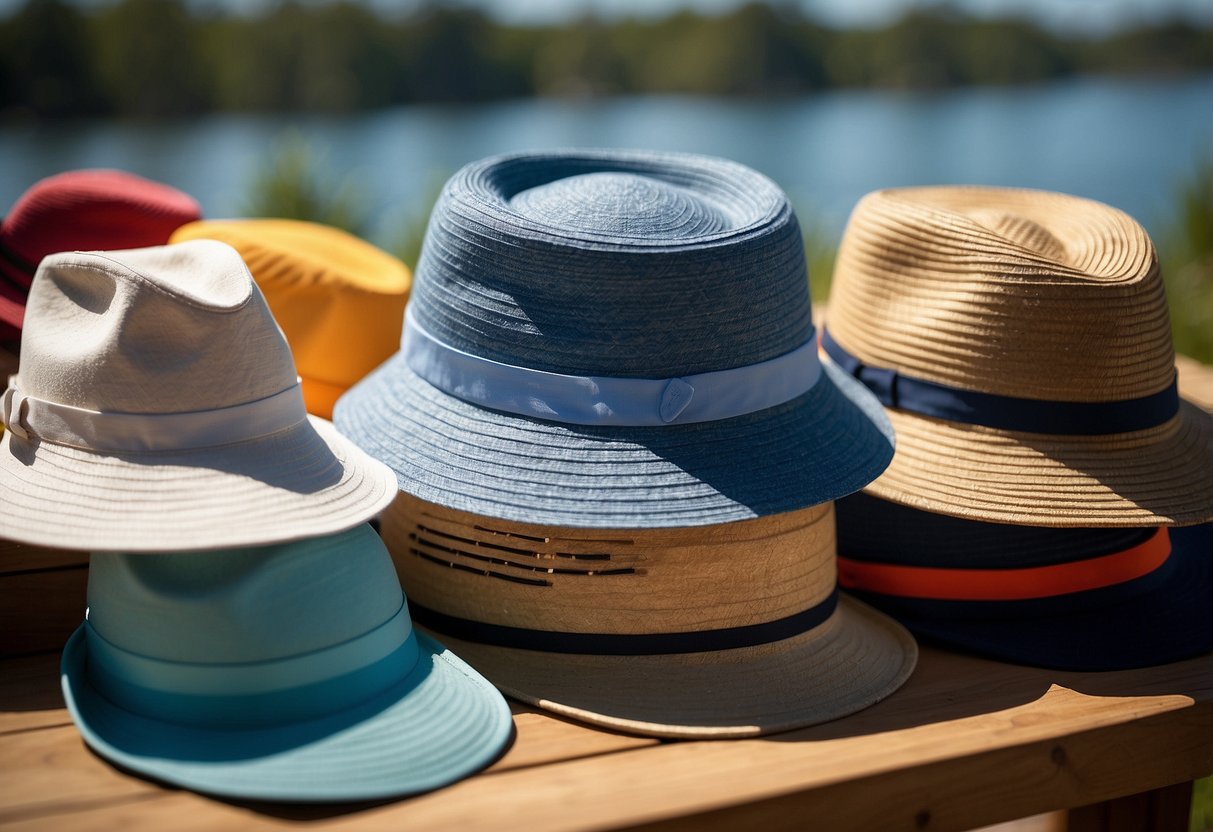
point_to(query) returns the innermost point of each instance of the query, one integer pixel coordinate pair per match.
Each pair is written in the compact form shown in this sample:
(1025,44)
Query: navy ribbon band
(990,410)
(616,644)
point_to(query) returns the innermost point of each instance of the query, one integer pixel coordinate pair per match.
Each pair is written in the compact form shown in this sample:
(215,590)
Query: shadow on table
(948,686)
(302,812)
(31,683)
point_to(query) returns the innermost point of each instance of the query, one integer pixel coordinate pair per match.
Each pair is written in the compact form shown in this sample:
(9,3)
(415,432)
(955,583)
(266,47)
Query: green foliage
(1170,48)
(147,58)
(46,61)
(820,252)
(1202,806)
(296,183)
(171,57)
(1186,258)
(409,232)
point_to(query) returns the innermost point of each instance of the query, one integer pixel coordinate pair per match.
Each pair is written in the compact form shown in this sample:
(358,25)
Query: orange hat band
(1007,584)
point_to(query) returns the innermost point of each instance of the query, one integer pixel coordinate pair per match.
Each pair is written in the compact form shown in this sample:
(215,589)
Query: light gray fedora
(615,339)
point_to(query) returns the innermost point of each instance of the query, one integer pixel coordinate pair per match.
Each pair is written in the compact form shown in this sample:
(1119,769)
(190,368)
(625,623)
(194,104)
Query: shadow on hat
(157,409)
(1021,345)
(615,339)
(339,300)
(284,673)
(81,210)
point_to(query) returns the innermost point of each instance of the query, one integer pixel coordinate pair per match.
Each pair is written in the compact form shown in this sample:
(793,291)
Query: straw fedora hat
(287,672)
(157,409)
(615,339)
(1021,343)
(1073,598)
(81,210)
(727,630)
(339,300)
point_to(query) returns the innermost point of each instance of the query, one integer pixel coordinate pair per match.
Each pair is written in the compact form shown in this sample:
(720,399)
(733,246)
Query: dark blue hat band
(617,644)
(940,401)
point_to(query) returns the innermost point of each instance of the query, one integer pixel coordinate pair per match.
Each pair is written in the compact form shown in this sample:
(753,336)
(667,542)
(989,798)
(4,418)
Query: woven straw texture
(615,264)
(643,581)
(1033,295)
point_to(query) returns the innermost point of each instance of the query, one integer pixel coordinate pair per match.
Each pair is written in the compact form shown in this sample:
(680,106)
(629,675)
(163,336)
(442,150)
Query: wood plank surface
(29,695)
(967,742)
(1161,810)
(18,557)
(39,609)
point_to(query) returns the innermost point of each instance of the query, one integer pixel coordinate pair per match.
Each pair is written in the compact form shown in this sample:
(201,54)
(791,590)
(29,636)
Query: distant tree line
(166,58)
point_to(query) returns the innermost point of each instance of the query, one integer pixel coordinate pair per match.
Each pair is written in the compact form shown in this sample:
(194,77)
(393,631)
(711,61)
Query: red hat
(81,210)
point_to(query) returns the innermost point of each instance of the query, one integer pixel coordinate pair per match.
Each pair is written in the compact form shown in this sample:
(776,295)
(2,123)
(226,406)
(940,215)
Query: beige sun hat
(1021,344)
(728,630)
(157,409)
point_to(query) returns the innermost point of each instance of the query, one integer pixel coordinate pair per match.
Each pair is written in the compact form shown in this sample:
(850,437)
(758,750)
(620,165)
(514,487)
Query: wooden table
(966,742)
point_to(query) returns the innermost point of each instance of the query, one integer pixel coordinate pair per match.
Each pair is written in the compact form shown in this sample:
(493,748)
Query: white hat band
(61,424)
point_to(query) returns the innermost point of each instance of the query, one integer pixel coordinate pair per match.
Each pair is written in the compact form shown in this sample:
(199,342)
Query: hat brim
(853,660)
(1160,476)
(302,482)
(825,444)
(1166,623)
(439,724)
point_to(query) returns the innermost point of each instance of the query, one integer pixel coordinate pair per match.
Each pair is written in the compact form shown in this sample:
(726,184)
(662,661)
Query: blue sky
(1093,16)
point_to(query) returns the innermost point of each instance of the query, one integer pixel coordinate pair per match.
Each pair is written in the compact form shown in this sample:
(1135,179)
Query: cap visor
(302,482)
(439,724)
(829,442)
(853,660)
(1160,476)
(1165,623)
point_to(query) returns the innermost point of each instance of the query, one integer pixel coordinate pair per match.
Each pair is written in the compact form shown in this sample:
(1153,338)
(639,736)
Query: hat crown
(1024,293)
(339,299)
(94,209)
(614,263)
(167,329)
(244,605)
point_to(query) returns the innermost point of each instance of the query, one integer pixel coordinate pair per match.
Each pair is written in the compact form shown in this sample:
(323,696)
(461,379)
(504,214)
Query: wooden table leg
(1161,810)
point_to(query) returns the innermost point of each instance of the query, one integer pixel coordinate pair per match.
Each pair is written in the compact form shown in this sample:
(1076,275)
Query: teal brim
(439,724)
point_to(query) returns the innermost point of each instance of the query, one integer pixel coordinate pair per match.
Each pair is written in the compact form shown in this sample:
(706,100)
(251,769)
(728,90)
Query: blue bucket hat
(285,673)
(613,339)
(1064,598)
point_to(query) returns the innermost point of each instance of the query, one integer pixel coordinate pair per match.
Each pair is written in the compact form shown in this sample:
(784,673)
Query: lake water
(1128,142)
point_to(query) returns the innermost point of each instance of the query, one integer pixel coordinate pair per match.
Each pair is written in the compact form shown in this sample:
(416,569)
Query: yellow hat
(339,300)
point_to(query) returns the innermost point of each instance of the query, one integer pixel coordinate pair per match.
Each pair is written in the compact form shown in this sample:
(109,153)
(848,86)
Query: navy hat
(1068,598)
